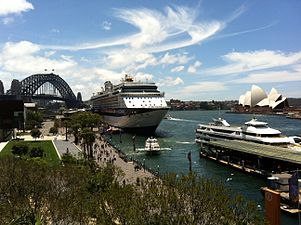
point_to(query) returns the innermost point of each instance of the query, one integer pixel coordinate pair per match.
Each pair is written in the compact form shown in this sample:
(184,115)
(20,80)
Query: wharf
(252,157)
(268,151)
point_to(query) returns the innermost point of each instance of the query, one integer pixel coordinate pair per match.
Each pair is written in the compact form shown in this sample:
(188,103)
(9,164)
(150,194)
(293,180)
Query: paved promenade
(106,153)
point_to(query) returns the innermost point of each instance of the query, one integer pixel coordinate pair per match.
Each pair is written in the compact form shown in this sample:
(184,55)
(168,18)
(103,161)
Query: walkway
(106,153)
(2,145)
(63,147)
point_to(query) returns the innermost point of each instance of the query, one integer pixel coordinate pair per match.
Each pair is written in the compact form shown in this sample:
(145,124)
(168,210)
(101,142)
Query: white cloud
(14,7)
(143,76)
(206,86)
(239,62)
(193,68)
(49,53)
(54,30)
(133,61)
(107,75)
(170,81)
(126,58)
(23,57)
(272,76)
(173,59)
(16,49)
(106,25)
(8,20)
(149,23)
(176,28)
(177,69)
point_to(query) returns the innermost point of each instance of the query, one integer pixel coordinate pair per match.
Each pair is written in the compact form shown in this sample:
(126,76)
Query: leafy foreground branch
(82,193)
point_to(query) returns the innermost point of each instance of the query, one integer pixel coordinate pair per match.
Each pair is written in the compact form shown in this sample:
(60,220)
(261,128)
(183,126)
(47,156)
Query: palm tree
(88,137)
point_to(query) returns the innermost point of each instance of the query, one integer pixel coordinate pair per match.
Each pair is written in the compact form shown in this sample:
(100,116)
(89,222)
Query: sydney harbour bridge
(46,87)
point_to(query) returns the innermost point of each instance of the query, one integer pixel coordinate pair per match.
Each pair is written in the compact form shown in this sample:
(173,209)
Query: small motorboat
(152,146)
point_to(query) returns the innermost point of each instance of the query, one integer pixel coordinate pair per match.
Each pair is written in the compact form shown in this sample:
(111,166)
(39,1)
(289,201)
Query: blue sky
(193,50)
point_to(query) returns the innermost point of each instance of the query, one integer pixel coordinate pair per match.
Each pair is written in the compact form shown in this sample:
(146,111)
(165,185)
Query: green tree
(76,132)
(82,120)
(35,133)
(88,137)
(33,119)
(85,119)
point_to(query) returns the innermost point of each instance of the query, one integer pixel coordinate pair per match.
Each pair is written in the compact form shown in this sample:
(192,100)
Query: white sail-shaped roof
(264,102)
(247,101)
(274,95)
(257,94)
(241,100)
(275,104)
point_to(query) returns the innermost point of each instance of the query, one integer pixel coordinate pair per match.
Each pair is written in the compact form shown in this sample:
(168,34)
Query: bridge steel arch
(30,85)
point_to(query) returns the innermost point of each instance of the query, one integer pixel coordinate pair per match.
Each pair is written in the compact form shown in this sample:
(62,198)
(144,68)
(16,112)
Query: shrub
(20,149)
(36,152)
(35,133)
(53,130)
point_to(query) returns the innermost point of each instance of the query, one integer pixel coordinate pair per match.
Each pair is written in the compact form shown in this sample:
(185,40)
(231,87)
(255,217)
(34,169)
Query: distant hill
(294,102)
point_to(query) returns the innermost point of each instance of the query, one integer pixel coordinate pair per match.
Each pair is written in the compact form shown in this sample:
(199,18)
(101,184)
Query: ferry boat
(253,130)
(131,105)
(152,146)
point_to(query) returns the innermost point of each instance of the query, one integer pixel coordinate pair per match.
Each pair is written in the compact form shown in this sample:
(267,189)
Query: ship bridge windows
(270,135)
(250,134)
(258,125)
(223,131)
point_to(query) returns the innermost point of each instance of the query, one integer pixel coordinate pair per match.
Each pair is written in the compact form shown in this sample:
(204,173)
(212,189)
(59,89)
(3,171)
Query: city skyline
(193,50)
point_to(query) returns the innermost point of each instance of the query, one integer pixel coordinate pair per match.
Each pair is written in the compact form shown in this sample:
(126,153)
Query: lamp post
(66,124)
(158,170)
(65,120)
(144,165)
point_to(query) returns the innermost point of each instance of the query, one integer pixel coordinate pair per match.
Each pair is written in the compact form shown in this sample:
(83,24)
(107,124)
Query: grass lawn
(49,150)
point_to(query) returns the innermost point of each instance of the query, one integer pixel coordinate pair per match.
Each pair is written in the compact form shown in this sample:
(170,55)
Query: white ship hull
(148,120)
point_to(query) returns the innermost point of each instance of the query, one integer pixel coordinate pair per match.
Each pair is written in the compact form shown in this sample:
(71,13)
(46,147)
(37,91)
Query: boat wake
(185,142)
(182,120)
(161,149)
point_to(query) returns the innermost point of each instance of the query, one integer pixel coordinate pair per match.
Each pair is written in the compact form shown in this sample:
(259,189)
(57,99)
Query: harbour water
(177,135)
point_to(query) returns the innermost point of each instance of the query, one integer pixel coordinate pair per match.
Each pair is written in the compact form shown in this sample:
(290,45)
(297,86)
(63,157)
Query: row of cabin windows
(146,105)
(141,98)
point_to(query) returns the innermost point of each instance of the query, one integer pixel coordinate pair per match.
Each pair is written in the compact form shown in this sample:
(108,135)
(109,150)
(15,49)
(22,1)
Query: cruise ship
(131,105)
(253,130)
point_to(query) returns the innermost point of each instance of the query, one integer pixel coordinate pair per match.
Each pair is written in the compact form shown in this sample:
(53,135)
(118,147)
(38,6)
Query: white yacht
(152,146)
(131,105)
(253,130)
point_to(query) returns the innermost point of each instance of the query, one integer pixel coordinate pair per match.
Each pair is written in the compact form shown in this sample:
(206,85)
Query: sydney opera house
(258,100)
